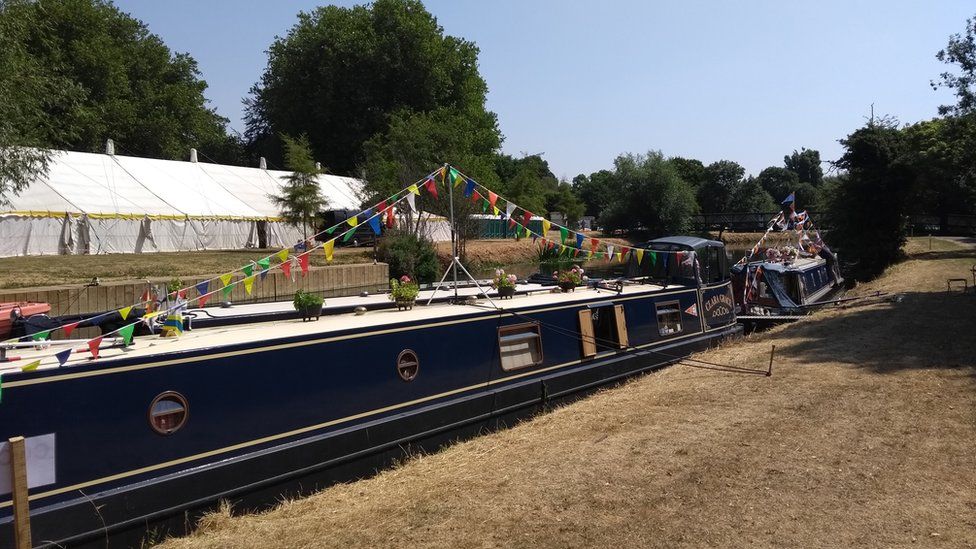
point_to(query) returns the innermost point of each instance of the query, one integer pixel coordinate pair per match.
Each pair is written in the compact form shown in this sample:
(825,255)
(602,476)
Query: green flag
(248,269)
(41,336)
(126,333)
(265,264)
(349,234)
(653,257)
(332,229)
(227,290)
(563,234)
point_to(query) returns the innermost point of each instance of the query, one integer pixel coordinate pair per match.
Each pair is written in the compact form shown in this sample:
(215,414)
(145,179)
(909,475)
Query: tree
(943,154)
(94,73)
(778,182)
(594,191)
(806,165)
(689,169)
(565,201)
(300,200)
(751,197)
(961,51)
(721,179)
(649,195)
(345,75)
(866,208)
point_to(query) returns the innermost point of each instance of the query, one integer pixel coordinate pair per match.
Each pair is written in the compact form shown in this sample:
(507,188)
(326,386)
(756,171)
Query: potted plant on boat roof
(403,292)
(308,304)
(569,279)
(505,284)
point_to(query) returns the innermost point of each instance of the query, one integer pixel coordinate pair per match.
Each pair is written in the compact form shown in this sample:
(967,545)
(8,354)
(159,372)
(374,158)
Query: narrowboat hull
(294,413)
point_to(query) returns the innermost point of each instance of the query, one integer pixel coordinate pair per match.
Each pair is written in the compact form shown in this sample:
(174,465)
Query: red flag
(575,252)
(526,217)
(431,186)
(389,218)
(93,346)
(68,328)
(381,207)
(202,299)
(303,263)
(594,242)
(511,223)
(475,197)
(624,250)
(286,268)
(679,256)
(550,244)
(492,198)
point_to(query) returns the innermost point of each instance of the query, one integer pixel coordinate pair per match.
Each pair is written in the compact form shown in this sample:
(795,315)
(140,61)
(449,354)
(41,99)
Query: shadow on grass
(919,331)
(961,253)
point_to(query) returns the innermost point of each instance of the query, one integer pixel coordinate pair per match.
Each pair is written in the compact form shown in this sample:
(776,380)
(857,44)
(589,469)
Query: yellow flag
(640,255)
(545,226)
(352,221)
(124,312)
(153,314)
(31,367)
(413,189)
(226,278)
(619,258)
(249,284)
(328,247)
(589,254)
(283,255)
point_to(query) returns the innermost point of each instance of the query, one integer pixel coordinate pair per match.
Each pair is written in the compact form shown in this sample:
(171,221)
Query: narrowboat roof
(529,298)
(689,242)
(801,264)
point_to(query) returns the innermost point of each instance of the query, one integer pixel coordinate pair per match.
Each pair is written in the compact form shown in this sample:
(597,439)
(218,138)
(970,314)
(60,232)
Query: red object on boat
(26,309)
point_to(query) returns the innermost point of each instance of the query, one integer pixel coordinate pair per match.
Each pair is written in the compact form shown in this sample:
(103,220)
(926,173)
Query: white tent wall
(99,203)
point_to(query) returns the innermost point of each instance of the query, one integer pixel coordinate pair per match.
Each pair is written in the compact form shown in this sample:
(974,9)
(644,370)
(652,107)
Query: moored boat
(255,405)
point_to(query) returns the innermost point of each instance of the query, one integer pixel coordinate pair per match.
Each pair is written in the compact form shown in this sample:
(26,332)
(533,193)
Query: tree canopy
(345,75)
(720,182)
(806,165)
(649,194)
(95,73)
(960,51)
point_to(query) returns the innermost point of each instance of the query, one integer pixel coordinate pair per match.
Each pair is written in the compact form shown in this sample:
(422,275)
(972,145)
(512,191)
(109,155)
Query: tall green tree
(720,182)
(300,200)
(650,195)
(805,163)
(345,75)
(751,197)
(595,191)
(960,51)
(778,182)
(689,169)
(93,72)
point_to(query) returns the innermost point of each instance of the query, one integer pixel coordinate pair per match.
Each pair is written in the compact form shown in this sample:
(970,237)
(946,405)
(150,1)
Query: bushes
(409,255)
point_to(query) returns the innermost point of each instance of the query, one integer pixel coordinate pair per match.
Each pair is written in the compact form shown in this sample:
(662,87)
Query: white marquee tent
(104,203)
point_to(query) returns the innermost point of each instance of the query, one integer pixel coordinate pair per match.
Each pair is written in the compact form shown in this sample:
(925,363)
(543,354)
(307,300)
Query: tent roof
(122,186)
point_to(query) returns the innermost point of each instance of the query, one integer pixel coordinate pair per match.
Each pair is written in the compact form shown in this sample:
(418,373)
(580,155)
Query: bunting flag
(30,367)
(526,217)
(330,230)
(579,240)
(492,199)
(68,328)
(620,257)
(509,209)
(203,289)
(265,265)
(93,346)
(303,262)
(495,210)
(126,333)
(413,189)
(348,236)
(455,177)
(389,218)
(640,255)
(248,269)
(653,255)
(475,197)
(484,205)
(41,336)
(124,312)
(589,254)
(286,268)
(381,207)
(563,234)
(665,262)
(227,289)
(226,278)
(328,248)
(512,223)
(469,187)
(63,356)
(353,221)
(412,201)
(442,171)
(283,254)
(610,251)
(248,284)
(693,310)
(431,187)
(576,252)
(594,242)
(679,256)
(624,250)
(546,224)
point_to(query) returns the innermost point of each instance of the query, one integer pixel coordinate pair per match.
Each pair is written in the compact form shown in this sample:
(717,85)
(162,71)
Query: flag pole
(454,257)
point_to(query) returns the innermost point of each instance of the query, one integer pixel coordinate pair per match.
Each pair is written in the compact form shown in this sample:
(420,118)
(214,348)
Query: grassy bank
(863,436)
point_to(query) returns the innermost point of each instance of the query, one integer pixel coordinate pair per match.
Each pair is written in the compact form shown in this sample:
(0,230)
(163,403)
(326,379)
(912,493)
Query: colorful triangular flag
(640,255)
(203,289)
(374,223)
(283,254)
(126,333)
(31,367)
(303,262)
(93,346)
(286,268)
(248,269)
(68,328)
(492,198)
(413,189)
(546,224)
(563,234)
(469,187)
(579,240)
(328,247)
(265,264)
(124,312)
(63,356)
(41,336)
(353,221)
(248,284)
(431,187)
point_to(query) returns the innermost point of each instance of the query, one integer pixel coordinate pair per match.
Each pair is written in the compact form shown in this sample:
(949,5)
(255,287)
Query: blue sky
(585,81)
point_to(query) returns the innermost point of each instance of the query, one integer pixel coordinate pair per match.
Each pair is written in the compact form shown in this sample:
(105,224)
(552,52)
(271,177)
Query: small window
(168,413)
(602,328)
(407,365)
(520,346)
(669,318)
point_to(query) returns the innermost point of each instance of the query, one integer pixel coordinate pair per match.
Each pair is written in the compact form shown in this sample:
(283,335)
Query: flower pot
(567,286)
(506,292)
(312,312)
(405,304)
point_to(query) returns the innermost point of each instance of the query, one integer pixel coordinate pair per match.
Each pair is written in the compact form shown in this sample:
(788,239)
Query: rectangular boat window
(602,328)
(520,346)
(668,318)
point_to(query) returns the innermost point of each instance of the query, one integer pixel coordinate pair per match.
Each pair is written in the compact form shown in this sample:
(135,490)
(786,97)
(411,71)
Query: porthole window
(407,365)
(168,413)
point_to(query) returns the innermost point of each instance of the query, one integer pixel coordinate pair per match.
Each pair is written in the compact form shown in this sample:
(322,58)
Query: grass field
(864,436)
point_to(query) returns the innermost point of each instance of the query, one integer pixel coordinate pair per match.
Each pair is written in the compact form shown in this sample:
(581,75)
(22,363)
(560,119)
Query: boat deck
(529,296)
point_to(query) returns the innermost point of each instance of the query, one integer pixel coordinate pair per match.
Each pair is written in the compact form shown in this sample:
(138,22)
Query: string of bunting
(370,216)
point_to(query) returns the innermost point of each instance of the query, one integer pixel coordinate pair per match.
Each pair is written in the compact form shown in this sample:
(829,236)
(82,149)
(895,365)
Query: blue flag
(203,288)
(374,222)
(579,240)
(789,199)
(63,356)
(469,188)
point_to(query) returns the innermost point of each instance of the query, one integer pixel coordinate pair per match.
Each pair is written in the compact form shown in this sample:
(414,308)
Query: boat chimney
(193,155)
(110,147)
(263,164)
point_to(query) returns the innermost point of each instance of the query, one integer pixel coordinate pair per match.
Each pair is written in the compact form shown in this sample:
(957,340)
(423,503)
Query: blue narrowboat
(258,404)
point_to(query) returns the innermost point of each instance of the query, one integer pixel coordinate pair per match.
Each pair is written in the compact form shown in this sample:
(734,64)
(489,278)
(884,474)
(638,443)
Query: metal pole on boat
(454,257)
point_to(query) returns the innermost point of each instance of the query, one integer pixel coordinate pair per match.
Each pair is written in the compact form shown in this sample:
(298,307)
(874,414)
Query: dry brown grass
(863,436)
(51,270)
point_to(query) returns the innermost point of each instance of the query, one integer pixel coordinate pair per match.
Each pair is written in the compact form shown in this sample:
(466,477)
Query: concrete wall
(335,280)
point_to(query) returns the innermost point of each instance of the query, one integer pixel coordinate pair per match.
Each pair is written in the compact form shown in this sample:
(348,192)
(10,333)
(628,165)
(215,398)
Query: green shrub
(306,300)
(409,255)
